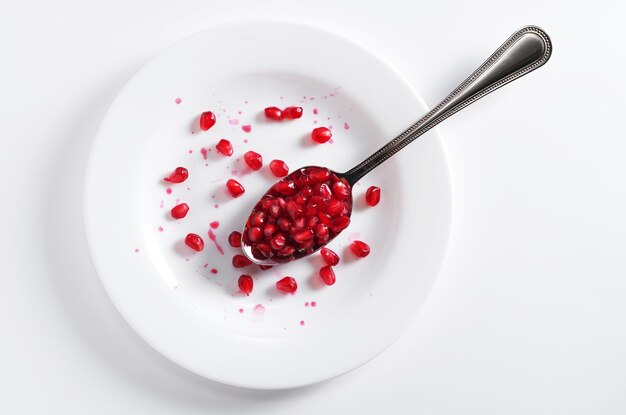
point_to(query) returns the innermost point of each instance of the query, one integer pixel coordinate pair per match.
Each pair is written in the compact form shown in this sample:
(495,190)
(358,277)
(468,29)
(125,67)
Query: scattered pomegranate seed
(179,211)
(329,256)
(207,120)
(279,168)
(274,113)
(240,261)
(287,284)
(179,175)
(298,215)
(292,112)
(235,188)
(360,249)
(234,239)
(245,284)
(321,135)
(194,242)
(225,147)
(328,275)
(253,160)
(372,195)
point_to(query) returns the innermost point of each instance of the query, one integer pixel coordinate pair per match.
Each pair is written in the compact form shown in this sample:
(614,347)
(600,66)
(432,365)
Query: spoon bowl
(297,216)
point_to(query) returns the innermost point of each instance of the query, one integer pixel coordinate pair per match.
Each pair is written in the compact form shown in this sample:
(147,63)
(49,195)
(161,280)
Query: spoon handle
(526,50)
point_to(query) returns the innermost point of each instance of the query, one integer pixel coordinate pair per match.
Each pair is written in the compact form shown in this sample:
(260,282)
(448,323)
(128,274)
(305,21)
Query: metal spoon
(526,50)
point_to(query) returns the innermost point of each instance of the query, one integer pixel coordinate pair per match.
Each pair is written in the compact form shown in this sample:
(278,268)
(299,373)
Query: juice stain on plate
(214,239)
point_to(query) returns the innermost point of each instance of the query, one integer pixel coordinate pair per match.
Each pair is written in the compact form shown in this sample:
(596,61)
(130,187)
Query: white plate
(167,292)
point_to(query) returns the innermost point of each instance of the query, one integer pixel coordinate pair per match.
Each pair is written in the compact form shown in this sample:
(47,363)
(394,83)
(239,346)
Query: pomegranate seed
(194,242)
(293,209)
(286,251)
(372,195)
(303,235)
(287,284)
(340,224)
(329,256)
(283,223)
(292,112)
(253,160)
(234,239)
(275,210)
(179,211)
(324,191)
(340,190)
(321,135)
(263,248)
(278,242)
(334,207)
(240,261)
(311,221)
(298,223)
(319,175)
(360,249)
(179,175)
(225,147)
(279,168)
(273,113)
(207,120)
(328,275)
(285,187)
(258,219)
(269,230)
(325,218)
(245,284)
(235,188)
(255,234)
(321,230)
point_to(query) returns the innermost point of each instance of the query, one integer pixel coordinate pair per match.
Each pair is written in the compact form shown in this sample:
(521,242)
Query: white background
(528,314)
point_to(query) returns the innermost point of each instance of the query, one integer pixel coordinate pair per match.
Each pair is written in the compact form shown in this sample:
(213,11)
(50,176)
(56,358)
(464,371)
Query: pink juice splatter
(346,126)
(214,224)
(241,310)
(178,100)
(313,303)
(168,190)
(213,271)
(233,121)
(259,309)
(217,245)
(246,128)
(203,151)
(160,228)
(315,111)
(302,322)
(136,250)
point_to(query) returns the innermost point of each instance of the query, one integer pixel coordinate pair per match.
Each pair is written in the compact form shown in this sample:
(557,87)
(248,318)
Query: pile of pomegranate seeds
(245,284)
(372,195)
(179,175)
(207,120)
(321,135)
(194,242)
(253,159)
(290,113)
(225,147)
(327,275)
(235,188)
(279,168)
(234,239)
(298,215)
(287,284)
(179,211)
(329,256)
(360,249)
(240,261)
